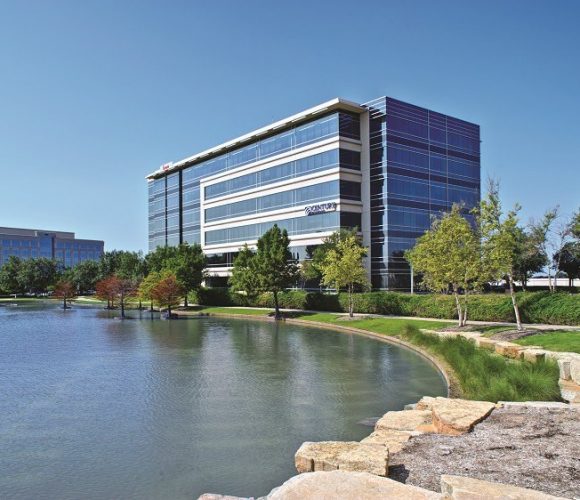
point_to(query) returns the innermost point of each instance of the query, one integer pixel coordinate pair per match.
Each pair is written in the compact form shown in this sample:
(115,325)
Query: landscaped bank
(473,372)
(535,307)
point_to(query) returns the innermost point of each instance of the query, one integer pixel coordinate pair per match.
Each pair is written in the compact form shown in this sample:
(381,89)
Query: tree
(501,241)
(106,289)
(343,267)
(123,289)
(244,277)
(531,260)
(448,256)
(540,232)
(85,275)
(157,260)
(167,292)
(188,265)
(311,269)
(146,286)
(9,273)
(567,259)
(273,263)
(36,275)
(65,290)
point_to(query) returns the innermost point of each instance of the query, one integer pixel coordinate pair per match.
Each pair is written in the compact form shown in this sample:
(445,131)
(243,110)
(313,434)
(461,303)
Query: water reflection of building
(385,167)
(58,245)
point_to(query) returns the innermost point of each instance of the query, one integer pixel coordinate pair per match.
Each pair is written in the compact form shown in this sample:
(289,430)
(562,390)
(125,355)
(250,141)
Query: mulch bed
(535,448)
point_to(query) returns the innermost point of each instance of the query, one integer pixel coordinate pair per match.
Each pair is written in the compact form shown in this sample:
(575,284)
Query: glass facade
(27,244)
(421,163)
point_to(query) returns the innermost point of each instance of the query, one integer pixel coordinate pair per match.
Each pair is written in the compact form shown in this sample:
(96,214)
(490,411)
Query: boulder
(575,368)
(393,440)
(564,360)
(508,349)
(570,391)
(465,488)
(485,343)
(458,416)
(533,355)
(340,484)
(405,420)
(348,456)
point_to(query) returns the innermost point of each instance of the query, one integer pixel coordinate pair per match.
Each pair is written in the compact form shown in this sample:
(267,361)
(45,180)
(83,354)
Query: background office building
(58,245)
(384,167)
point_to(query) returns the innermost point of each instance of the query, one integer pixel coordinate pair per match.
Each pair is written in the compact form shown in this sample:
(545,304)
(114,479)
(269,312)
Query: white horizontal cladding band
(275,215)
(306,151)
(320,208)
(278,187)
(297,240)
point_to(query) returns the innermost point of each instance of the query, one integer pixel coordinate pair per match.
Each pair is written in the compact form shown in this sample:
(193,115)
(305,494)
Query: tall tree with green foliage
(532,258)
(37,275)
(85,275)
(273,263)
(244,277)
(311,269)
(448,257)
(567,260)
(501,241)
(343,267)
(156,260)
(188,265)
(9,273)
(539,234)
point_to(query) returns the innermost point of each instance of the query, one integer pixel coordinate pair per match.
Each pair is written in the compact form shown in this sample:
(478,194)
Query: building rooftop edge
(336,103)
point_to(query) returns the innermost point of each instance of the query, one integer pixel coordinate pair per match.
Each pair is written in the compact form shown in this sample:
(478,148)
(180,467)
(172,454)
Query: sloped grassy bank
(481,374)
(559,308)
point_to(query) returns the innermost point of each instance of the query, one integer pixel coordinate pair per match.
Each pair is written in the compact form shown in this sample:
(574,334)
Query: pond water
(95,407)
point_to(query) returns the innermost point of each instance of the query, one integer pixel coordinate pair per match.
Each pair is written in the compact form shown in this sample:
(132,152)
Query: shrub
(487,376)
(536,307)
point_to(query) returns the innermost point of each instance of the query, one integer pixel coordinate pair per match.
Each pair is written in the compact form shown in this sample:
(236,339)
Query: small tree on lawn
(124,289)
(106,289)
(448,257)
(343,267)
(167,292)
(146,286)
(273,264)
(501,241)
(244,277)
(65,290)
(188,265)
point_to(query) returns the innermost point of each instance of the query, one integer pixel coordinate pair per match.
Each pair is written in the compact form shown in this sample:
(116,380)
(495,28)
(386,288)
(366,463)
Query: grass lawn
(563,341)
(482,375)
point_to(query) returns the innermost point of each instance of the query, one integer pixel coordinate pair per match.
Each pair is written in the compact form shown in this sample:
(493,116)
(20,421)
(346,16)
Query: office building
(384,167)
(58,245)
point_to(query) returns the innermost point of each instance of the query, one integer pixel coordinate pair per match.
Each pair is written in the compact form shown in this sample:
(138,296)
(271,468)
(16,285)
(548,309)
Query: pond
(95,407)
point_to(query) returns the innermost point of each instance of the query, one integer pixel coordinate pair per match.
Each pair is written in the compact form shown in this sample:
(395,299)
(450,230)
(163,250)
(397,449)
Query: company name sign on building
(320,208)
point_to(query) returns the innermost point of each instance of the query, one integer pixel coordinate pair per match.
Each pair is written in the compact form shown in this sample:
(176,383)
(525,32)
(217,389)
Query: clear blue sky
(94,95)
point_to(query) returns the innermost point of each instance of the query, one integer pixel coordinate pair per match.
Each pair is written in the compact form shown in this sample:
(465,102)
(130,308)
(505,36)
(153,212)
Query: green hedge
(535,307)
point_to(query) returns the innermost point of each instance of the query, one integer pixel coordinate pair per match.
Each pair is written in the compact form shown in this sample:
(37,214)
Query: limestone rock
(570,391)
(405,420)
(393,440)
(426,403)
(347,456)
(346,485)
(508,349)
(575,368)
(485,343)
(564,360)
(458,416)
(465,488)
(533,355)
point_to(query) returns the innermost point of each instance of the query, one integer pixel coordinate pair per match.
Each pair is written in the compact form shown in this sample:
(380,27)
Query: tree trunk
(277,308)
(465,302)
(151,306)
(185,301)
(122,308)
(458,305)
(169,311)
(140,305)
(515,304)
(350,302)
